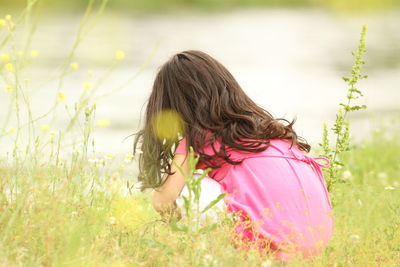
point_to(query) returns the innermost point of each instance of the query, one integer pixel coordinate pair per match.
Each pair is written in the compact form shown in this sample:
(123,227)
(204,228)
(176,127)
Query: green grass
(57,218)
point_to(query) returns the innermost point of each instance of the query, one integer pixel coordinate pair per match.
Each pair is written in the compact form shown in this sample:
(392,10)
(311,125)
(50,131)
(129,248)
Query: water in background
(289,61)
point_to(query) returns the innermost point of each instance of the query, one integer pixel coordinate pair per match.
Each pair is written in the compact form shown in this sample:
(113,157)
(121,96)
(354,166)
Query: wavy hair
(212,106)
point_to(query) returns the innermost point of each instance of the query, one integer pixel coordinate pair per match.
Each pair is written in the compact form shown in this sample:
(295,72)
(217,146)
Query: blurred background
(289,56)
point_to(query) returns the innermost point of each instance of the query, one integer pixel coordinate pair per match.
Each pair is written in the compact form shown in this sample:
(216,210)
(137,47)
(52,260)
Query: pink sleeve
(181,149)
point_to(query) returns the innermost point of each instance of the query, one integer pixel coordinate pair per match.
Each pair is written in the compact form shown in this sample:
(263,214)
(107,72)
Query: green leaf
(208,228)
(156,244)
(212,203)
(178,227)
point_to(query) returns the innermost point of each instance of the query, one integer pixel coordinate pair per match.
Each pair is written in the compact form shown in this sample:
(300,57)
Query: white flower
(93,160)
(347,175)
(112,221)
(108,156)
(355,237)
(128,157)
(389,188)
(267,263)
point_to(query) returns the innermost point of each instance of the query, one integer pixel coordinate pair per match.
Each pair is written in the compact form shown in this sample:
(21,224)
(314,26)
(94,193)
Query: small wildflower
(8,17)
(21,53)
(108,156)
(34,53)
(119,55)
(389,188)
(74,66)
(128,157)
(355,237)
(61,97)
(267,263)
(93,160)
(9,67)
(8,88)
(2,23)
(112,221)
(45,127)
(4,57)
(11,130)
(103,123)
(347,175)
(87,86)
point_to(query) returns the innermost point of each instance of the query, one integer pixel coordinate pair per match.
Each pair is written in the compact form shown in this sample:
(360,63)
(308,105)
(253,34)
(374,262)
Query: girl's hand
(171,212)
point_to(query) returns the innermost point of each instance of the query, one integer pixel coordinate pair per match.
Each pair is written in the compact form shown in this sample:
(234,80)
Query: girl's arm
(164,197)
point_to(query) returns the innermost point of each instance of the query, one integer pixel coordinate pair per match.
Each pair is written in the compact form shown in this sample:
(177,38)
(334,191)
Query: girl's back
(283,193)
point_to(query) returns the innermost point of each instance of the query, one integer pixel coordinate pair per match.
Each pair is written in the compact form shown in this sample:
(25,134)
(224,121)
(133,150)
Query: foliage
(191,203)
(341,127)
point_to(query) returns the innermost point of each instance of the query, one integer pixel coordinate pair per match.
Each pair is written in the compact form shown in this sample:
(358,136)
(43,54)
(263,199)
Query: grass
(64,205)
(57,216)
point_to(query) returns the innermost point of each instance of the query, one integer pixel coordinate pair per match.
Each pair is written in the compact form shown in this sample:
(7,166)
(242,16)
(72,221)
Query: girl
(258,160)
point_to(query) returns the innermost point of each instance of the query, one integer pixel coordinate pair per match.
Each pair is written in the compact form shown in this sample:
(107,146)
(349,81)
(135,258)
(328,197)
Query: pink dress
(283,193)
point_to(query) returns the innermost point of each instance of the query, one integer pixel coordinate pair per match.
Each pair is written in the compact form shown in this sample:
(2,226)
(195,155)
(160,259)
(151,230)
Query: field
(69,215)
(63,204)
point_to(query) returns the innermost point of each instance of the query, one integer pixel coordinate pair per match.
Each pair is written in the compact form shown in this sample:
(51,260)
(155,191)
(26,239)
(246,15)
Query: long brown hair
(212,106)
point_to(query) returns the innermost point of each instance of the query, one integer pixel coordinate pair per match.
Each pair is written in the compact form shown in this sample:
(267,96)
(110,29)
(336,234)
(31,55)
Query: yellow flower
(119,55)
(131,212)
(34,53)
(2,23)
(21,53)
(87,86)
(11,130)
(108,156)
(128,157)
(8,17)
(4,57)
(168,125)
(27,80)
(103,123)
(74,66)
(8,88)
(9,67)
(52,133)
(45,127)
(61,97)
